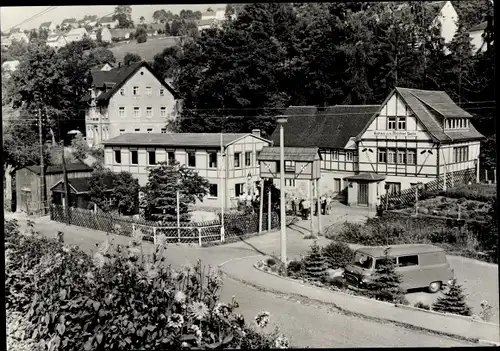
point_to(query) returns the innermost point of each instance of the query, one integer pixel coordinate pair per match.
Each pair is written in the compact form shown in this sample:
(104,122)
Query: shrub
(422,305)
(453,301)
(339,283)
(486,311)
(337,255)
(271,262)
(295,268)
(315,264)
(119,298)
(385,282)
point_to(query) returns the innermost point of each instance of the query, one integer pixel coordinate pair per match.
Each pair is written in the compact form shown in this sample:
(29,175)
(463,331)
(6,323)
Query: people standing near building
(323,204)
(328,204)
(306,205)
(294,205)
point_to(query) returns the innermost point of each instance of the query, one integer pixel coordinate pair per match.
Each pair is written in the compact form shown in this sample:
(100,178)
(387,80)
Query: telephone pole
(42,166)
(65,175)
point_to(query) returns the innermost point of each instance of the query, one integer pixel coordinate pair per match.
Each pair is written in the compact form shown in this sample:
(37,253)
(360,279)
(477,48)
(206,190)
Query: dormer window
(456,123)
(136,91)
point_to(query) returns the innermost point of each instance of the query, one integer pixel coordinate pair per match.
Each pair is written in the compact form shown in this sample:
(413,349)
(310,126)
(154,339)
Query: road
(308,326)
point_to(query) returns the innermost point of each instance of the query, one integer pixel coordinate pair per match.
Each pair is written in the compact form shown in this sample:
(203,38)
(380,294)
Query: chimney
(256,132)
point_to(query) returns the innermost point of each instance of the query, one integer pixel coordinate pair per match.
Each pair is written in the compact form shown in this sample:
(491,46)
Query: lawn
(146,50)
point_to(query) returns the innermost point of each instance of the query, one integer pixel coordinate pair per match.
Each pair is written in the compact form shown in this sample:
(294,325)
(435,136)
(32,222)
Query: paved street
(310,326)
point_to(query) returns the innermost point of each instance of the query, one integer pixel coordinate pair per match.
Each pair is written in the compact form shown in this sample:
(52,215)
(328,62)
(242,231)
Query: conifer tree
(453,301)
(315,263)
(385,284)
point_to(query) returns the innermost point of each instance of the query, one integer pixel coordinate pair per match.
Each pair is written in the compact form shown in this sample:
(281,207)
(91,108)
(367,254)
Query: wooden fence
(406,198)
(235,225)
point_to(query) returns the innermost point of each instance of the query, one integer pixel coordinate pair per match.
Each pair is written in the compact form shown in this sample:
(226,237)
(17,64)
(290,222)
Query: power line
(41,13)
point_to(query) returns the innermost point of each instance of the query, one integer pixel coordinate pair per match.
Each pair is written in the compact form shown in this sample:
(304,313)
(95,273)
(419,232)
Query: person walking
(328,204)
(306,205)
(323,204)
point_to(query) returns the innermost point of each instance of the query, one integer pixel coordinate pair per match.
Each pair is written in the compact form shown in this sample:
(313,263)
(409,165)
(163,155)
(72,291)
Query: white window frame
(401,123)
(392,121)
(210,163)
(237,156)
(137,112)
(164,131)
(335,155)
(135,91)
(121,112)
(163,111)
(411,156)
(249,164)
(162,91)
(149,112)
(149,91)
(349,156)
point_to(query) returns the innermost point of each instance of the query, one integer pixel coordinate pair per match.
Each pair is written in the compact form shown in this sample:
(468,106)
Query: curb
(488,343)
(342,310)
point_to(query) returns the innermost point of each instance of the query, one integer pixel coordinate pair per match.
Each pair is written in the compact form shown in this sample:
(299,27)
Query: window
(336,185)
(278,168)
(122,131)
(248,158)
(212,190)
(118,156)
(170,157)
(394,188)
(466,123)
(136,91)
(212,159)
(152,157)
(289,182)
(382,155)
(349,156)
(149,91)
(391,123)
(137,130)
(137,112)
(239,189)
(191,159)
(411,156)
(406,261)
(290,166)
(237,159)
(379,261)
(335,155)
(460,123)
(134,155)
(150,130)
(122,112)
(164,130)
(461,154)
(149,111)
(401,123)
(162,92)
(122,91)
(401,157)
(391,156)
(163,111)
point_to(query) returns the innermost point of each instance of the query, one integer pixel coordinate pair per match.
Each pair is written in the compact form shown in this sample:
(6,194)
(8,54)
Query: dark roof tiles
(55,169)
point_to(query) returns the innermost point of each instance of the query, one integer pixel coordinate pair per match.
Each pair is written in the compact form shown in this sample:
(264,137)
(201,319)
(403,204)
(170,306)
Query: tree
(33,34)
(80,147)
(142,19)
(131,58)
(337,255)
(175,27)
(315,263)
(167,63)
(167,29)
(103,55)
(141,35)
(98,186)
(123,13)
(125,192)
(161,16)
(164,180)
(17,50)
(385,282)
(453,301)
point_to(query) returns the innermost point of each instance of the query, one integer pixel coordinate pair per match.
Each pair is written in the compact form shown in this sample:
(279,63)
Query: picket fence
(406,198)
(235,225)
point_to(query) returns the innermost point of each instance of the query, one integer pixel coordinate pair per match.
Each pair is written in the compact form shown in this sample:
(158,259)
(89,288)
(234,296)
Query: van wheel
(434,287)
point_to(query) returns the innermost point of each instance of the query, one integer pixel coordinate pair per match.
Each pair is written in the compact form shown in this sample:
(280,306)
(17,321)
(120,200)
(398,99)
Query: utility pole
(223,185)
(42,165)
(65,175)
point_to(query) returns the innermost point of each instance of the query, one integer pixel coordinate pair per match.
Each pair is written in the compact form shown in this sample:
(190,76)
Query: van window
(380,259)
(405,261)
(363,261)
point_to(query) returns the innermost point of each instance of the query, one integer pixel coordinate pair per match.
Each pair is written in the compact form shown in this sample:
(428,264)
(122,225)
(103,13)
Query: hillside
(146,50)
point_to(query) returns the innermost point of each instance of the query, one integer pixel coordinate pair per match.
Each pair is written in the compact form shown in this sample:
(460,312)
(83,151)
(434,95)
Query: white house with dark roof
(477,33)
(236,169)
(128,99)
(69,23)
(48,26)
(76,34)
(56,41)
(108,21)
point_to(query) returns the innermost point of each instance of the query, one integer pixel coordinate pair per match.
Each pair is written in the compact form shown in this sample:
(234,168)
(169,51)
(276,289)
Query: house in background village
(218,14)
(48,26)
(128,99)
(56,41)
(107,22)
(207,24)
(415,136)
(478,40)
(76,34)
(447,17)
(79,190)
(154,29)
(9,66)
(237,172)
(106,66)
(17,36)
(69,23)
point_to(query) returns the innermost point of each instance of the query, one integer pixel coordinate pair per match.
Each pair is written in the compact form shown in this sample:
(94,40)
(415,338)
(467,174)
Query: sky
(12,16)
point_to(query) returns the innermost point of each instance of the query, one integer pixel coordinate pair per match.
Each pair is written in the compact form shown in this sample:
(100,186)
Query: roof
(399,250)
(68,20)
(81,185)
(331,127)
(479,27)
(118,76)
(307,154)
(107,19)
(176,139)
(55,169)
(100,66)
(119,33)
(77,31)
(206,22)
(367,176)
(46,24)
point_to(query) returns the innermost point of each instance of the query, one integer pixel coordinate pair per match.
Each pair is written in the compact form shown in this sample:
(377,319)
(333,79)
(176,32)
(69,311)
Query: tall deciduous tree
(131,58)
(123,13)
(167,63)
(164,180)
(125,192)
(98,187)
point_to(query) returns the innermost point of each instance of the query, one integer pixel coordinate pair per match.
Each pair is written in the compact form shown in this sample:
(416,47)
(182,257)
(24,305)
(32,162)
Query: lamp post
(281,120)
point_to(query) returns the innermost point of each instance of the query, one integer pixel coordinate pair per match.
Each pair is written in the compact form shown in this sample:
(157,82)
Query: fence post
(199,235)
(154,235)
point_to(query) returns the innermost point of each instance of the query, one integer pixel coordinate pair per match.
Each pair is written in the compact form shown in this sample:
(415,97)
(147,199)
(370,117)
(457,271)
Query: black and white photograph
(265,175)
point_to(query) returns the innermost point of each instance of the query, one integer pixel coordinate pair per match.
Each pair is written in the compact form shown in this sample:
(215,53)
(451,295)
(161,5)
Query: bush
(315,264)
(453,301)
(118,298)
(271,262)
(338,255)
(295,268)
(422,305)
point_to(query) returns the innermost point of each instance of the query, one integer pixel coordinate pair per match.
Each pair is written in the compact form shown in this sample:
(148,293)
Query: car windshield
(363,260)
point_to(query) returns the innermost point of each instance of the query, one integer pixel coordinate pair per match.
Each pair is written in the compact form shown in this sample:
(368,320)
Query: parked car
(421,266)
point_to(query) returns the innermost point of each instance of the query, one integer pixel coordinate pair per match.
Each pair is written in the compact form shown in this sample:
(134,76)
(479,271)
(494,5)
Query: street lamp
(281,120)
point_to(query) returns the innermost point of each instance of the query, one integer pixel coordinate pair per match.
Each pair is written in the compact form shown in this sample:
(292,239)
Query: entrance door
(363,194)
(25,200)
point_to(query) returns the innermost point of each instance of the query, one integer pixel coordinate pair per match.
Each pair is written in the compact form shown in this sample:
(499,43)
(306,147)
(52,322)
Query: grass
(146,50)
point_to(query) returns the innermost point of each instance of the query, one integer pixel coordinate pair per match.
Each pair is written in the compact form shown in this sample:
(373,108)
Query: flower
(197,331)
(222,310)
(281,342)
(104,247)
(240,320)
(99,259)
(262,319)
(198,310)
(180,297)
(176,320)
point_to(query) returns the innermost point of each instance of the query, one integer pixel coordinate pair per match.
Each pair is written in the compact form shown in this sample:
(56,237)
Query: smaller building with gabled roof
(233,172)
